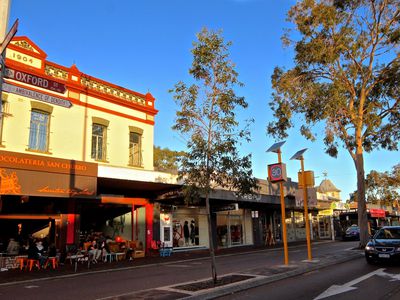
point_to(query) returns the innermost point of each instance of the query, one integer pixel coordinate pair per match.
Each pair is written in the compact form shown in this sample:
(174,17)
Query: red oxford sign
(35,80)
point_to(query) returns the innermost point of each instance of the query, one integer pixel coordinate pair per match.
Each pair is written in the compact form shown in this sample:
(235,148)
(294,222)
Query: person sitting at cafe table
(13,247)
(94,251)
(36,251)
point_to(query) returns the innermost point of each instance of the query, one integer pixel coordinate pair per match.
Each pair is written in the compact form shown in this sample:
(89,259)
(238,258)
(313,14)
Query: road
(95,285)
(351,280)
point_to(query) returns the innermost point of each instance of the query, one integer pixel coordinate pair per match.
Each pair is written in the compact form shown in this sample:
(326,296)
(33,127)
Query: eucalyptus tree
(167,160)
(207,118)
(345,78)
(384,187)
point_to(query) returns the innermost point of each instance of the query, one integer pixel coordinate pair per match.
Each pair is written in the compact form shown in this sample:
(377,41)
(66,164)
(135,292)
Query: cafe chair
(22,261)
(32,263)
(52,261)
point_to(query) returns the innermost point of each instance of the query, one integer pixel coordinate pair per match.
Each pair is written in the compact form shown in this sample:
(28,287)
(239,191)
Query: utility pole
(277,174)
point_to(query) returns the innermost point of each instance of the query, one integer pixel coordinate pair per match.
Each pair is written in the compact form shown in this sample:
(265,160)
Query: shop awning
(377,213)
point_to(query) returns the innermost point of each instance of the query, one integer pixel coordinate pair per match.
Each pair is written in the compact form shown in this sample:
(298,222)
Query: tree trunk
(211,240)
(361,207)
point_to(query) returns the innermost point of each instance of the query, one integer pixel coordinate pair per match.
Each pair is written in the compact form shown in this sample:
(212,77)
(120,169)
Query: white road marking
(31,286)
(338,289)
(179,266)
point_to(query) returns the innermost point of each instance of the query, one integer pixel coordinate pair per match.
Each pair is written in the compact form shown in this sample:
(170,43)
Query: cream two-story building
(76,153)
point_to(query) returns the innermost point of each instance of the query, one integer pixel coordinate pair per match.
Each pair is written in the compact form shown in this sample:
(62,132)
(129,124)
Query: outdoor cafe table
(79,257)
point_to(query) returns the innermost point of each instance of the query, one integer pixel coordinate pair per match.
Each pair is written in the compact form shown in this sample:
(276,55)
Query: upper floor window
(99,142)
(39,131)
(135,149)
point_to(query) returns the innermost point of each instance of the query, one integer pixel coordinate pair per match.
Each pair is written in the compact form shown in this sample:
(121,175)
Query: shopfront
(183,227)
(39,196)
(234,228)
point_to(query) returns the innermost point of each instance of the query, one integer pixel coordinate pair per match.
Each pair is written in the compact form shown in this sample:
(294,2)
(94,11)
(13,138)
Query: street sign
(9,88)
(277,172)
(9,36)
(41,82)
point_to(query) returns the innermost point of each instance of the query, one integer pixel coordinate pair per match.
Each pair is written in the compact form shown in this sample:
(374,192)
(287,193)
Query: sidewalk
(247,279)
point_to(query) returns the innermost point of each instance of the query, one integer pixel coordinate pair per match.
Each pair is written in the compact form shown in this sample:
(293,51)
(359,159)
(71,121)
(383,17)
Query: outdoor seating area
(99,249)
(95,248)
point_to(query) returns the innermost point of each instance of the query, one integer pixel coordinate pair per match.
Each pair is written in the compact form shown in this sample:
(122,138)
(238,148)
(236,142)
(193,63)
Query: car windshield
(388,234)
(352,228)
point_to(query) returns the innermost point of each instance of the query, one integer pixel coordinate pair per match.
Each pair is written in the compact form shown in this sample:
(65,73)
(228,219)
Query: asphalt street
(138,281)
(354,279)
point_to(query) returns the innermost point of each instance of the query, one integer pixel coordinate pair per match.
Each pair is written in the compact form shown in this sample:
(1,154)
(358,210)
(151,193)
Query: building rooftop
(327,186)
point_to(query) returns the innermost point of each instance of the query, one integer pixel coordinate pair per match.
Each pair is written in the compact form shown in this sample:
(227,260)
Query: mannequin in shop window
(186,233)
(192,232)
(270,236)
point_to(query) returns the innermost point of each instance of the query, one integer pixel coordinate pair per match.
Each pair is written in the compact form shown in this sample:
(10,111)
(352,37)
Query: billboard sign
(311,195)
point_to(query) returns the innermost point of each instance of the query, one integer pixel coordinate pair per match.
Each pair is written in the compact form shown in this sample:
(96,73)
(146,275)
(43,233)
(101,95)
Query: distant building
(327,194)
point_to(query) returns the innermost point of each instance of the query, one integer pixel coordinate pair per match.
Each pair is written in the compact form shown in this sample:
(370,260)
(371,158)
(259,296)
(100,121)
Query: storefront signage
(233,206)
(311,195)
(34,175)
(36,95)
(23,161)
(377,213)
(35,80)
(277,172)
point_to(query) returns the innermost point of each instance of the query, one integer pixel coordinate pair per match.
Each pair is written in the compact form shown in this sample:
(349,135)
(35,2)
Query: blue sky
(145,46)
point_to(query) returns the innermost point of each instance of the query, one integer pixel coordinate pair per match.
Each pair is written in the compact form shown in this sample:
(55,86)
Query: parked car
(352,233)
(384,245)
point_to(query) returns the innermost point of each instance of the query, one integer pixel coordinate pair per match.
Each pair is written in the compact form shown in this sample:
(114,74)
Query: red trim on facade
(76,102)
(70,228)
(120,200)
(73,70)
(115,113)
(41,55)
(149,226)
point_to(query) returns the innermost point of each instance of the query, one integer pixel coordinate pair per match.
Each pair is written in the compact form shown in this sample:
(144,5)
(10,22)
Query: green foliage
(346,75)
(346,78)
(166,160)
(207,118)
(384,187)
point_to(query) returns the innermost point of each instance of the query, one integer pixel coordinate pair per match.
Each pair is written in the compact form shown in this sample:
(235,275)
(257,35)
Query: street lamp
(299,156)
(277,173)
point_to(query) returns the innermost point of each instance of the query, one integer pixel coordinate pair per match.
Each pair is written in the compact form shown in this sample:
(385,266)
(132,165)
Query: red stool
(22,262)
(51,261)
(32,263)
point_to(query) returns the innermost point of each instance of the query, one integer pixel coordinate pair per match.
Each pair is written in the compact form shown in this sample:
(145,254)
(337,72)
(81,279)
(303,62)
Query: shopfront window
(188,228)
(230,228)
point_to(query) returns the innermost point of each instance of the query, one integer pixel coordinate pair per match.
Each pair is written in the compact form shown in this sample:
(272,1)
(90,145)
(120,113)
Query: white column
(4,10)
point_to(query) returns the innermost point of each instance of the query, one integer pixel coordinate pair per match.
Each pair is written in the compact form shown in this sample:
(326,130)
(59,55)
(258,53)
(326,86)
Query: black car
(352,233)
(384,245)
